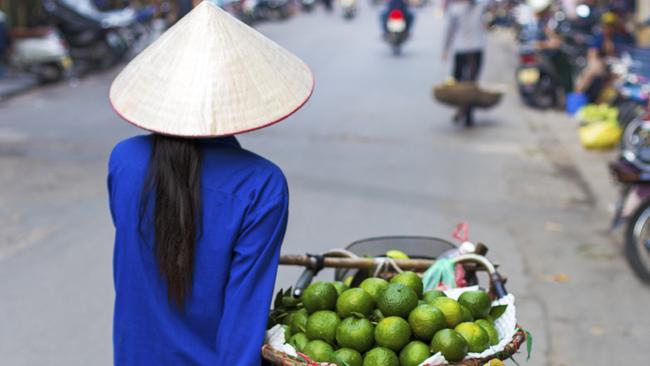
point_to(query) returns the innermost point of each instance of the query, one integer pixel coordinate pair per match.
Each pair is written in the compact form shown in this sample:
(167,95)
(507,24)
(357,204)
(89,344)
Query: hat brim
(276,121)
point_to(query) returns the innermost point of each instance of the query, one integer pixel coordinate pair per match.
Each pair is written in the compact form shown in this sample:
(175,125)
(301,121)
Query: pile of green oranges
(383,323)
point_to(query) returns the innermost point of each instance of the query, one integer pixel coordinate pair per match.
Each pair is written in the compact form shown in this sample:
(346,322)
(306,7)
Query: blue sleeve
(111,186)
(250,285)
(110,197)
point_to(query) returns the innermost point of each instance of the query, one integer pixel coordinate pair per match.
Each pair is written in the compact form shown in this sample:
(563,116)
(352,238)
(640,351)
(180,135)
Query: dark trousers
(467,67)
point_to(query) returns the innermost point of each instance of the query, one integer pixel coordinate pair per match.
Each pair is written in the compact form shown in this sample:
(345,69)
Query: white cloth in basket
(506,326)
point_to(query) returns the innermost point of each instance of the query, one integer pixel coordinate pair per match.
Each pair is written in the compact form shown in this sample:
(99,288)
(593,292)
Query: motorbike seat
(35,32)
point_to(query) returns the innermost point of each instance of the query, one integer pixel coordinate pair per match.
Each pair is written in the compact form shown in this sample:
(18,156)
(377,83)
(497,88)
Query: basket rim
(280,358)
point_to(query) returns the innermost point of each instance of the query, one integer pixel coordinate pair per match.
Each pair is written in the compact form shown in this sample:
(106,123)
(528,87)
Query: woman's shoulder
(244,171)
(133,150)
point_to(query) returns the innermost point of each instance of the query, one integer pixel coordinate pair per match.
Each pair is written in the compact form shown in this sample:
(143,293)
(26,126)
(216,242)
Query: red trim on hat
(311,91)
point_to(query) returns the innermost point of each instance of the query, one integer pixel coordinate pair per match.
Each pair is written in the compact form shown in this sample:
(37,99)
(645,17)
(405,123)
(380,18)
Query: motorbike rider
(549,43)
(608,43)
(401,5)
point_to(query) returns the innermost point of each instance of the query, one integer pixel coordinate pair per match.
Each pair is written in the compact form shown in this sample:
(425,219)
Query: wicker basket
(466,94)
(470,262)
(280,358)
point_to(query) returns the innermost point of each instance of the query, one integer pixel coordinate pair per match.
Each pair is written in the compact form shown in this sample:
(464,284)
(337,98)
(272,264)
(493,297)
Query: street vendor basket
(466,94)
(366,258)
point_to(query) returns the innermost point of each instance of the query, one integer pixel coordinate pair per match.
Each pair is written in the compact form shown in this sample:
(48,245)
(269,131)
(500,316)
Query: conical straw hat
(210,75)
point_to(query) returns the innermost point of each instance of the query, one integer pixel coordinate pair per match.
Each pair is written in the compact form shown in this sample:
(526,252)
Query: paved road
(370,155)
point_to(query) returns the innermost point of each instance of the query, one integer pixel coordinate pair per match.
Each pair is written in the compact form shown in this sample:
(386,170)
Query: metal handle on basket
(317,263)
(496,281)
(305,279)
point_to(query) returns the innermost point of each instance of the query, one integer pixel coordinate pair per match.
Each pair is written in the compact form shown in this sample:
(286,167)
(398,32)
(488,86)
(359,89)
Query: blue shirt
(245,202)
(620,40)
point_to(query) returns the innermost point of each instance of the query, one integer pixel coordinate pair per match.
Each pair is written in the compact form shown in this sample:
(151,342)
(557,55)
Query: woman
(610,42)
(199,221)
(465,39)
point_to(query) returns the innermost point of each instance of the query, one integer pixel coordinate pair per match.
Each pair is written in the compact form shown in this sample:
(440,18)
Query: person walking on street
(465,39)
(198,219)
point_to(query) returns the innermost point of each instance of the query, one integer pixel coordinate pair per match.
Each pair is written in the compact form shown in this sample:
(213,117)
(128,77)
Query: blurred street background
(372,154)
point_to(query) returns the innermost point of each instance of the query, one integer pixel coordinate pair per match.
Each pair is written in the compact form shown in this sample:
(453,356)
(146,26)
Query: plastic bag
(600,136)
(575,102)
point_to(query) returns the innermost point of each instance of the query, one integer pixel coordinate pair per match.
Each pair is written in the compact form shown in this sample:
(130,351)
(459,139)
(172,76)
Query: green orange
(355,301)
(322,325)
(451,344)
(374,286)
(319,296)
(393,333)
(356,333)
(425,320)
(411,280)
(397,300)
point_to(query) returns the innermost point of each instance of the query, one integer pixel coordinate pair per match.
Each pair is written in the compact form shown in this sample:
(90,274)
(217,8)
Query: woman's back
(244,213)
(466,17)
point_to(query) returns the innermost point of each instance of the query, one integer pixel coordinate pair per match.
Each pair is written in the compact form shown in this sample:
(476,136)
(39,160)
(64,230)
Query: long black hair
(173,186)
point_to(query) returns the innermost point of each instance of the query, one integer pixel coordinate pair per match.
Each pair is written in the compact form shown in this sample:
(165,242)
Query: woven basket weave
(282,359)
(465,94)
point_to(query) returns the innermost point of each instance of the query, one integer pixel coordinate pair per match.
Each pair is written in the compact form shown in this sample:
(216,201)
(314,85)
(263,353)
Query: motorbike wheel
(544,97)
(637,242)
(348,14)
(49,73)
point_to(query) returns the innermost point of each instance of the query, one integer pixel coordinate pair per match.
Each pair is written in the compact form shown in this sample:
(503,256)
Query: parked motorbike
(537,79)
(271,9)
(240,9)
(98,38)
(632,171)
(39,51)
(307,5)
(348,8)
(396,27)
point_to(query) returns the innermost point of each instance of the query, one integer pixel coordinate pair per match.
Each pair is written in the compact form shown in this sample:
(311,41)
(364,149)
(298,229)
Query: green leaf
(278,300)
(497,311)
(376,316)
(512,358)
(358,315)
(289,302)
(529,344)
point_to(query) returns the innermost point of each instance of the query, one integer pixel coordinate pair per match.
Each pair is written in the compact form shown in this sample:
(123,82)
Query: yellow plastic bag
(600,136)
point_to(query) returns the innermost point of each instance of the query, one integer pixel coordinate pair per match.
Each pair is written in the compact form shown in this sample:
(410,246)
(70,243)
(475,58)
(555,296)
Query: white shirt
(465,26)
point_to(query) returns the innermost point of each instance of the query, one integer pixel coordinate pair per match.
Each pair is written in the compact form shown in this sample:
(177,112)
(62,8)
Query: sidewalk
(581,300)
(592,164)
